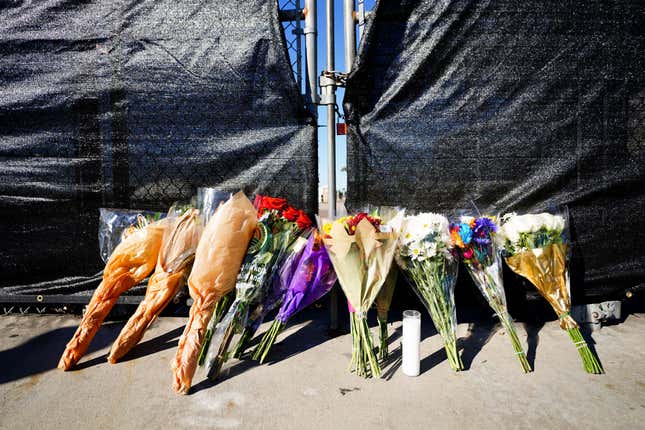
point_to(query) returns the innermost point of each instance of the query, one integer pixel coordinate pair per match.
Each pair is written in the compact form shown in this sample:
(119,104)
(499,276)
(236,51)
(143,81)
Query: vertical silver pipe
(361,18)
(350,34)
(298,46)
(312,56)
(331,146)
(331,114)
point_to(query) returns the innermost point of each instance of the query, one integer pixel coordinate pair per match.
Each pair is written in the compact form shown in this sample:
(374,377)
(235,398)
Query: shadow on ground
(41,353)
(310,335)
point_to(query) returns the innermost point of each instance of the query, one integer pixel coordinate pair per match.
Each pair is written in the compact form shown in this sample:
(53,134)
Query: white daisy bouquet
(425,255)
(536,247)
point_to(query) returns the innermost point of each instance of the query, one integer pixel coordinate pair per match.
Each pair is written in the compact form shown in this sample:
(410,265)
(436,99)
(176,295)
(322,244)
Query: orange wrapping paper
(218,259)
(132,260)
(173,266)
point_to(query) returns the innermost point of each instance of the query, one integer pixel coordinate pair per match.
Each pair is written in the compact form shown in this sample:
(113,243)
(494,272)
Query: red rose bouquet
(279,226)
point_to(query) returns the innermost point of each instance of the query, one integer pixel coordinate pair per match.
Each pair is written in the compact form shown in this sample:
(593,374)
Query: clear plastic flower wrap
(426,256)
(272,297)
(114,224)
(475,240)
(537,247)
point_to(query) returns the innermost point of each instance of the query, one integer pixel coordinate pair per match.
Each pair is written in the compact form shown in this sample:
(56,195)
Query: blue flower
(484,225)
(465,233)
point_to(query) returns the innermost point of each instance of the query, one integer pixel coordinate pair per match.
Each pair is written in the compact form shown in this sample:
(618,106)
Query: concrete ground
(307,384)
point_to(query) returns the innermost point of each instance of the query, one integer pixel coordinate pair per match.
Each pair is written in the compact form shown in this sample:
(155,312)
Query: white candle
(411,341)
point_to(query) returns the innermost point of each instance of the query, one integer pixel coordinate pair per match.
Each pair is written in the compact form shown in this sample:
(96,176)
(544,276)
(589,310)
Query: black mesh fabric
(134,104)
(512,105)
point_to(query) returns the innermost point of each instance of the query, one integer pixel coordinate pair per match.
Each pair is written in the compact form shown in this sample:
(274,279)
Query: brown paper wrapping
(362,260)
(384,297)
(132,260)
(173,266)
(546,268)
(218,259)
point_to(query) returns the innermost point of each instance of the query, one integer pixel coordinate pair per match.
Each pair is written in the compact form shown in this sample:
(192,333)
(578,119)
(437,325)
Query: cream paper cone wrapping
(362,260)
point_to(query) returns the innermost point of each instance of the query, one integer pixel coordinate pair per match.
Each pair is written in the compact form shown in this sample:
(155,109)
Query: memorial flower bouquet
(536,246)
(425,255)
(174,263)
(272,298)
(361,248)
(278,227)
(474,239)
(218,257)
(304,279)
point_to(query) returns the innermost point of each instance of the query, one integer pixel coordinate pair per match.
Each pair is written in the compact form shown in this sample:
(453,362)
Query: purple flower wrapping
(312,279)
(279,283)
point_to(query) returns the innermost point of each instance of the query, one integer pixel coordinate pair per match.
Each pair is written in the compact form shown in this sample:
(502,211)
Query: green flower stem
(429,282)
(262,350)
(221,358)
(589,359)
(496,302)
(364,361)
(243,343)
(222,355)
(383,337)
(221,308)
(507,322)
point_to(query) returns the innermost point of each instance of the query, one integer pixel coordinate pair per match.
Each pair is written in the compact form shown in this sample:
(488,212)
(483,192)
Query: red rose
(290,213)
(303,220)
(266,203)
(354,220)
(257,202)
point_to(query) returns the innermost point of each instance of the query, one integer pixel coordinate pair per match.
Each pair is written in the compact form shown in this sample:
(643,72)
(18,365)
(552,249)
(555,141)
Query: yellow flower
(327,228)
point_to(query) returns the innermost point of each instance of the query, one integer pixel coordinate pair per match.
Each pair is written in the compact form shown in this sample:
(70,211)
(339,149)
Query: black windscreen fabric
(134,104)
(513,105)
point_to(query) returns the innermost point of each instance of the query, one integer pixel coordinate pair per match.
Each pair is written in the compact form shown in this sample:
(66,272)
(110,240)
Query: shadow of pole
(479,334)
(532,340)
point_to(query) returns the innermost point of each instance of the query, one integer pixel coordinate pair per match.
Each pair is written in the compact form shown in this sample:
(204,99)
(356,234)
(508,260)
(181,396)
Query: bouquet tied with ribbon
(536,246)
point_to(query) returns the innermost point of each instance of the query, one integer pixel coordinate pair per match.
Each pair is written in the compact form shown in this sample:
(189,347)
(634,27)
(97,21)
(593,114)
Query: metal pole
(299,46)
(350,34)
(361,18)
(330,99)
(312,55)
(331,113)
